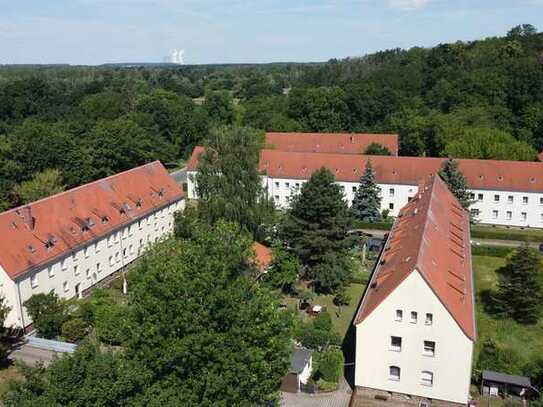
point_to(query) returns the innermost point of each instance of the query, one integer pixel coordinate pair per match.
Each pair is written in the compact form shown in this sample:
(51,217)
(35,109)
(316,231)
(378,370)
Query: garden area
(504,344)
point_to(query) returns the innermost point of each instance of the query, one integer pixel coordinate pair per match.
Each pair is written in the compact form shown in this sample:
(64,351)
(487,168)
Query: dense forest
(63,126)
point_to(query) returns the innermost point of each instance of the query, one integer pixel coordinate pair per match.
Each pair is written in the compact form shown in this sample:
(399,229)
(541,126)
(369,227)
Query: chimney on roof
(28,219)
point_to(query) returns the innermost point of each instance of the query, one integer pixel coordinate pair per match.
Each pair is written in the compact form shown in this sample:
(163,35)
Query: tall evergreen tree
(367,200)
(316,228)
(456,182)
(520,291)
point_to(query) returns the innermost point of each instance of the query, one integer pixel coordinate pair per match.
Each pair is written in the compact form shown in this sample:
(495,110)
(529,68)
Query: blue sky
(214,31)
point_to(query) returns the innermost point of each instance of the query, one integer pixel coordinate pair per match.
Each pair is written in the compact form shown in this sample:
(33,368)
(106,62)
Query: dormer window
(84,228)
(89,222)
(105,220)
(126,207)
(50,243)
(161,192)
(31,248)
(138,203)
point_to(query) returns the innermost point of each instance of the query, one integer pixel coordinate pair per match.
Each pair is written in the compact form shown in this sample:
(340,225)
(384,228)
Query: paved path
(338,398)
(31,356)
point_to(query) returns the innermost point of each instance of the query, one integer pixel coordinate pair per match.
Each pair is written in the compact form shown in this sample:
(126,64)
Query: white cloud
(407,5)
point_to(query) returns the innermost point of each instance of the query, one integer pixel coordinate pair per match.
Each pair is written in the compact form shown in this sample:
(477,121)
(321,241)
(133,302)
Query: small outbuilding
(505,385)
(301,365)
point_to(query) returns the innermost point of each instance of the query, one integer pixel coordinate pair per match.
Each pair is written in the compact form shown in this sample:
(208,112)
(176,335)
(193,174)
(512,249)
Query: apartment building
(415,327)
(71,241)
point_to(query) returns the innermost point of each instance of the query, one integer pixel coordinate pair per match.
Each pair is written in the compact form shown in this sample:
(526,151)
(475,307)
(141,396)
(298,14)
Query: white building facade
(122,216)
(415,327)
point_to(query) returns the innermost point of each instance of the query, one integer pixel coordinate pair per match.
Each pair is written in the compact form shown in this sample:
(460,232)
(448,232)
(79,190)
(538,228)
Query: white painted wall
(306,373)
(89,264)
(451,365)
(395,196)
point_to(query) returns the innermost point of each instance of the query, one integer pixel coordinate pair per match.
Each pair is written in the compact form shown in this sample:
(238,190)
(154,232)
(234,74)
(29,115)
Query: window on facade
(297,185)
(74,257)
(394,373)
(116,237)
(50,271)
(474,212)
(496,198)
(429,348)
(510,199)
(277,185)
(110,241)
(125,253)
(472,196)
(399,315)
(427,378)
(287,185)
(495,214)
(65,286)
(131,249)
(139,225)
(391,206)
(525,200)
(130,230)
(117,257)
(34,281)
(87,252)
(541,216)
(395,343)
(276,198)
(414,317)
(479,197)
(509,215)
(429,319)
(64,265)
(98,267)
(125,233)
(523,216)
(87,273)
(111,261)
(97,247)
(541,201)
(76,270)
(391,192)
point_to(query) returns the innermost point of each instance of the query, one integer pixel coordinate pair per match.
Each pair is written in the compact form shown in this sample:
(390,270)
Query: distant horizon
(209,32)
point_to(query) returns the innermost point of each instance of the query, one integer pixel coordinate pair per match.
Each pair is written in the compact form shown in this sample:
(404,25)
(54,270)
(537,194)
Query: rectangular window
(496,198)
(98,267)
(391,192)
(34,281)
(525,200)
(110,241)
(510,199)
(117,257)
(64,265)
(287,185)
(429,348)
(541,201)
(131,249)
(427,378)
(276,198)
(354,190)
(523,216)
(139,225)
(394,373)
(51,271)
(479,197)
(399,315)
(414,317)
(541,216)
(429,319)
(277,185)
(391,206)
(474,212)
(87,273)
(508,215)
(396,343)
(472,196)
(495,214)
(97,247)
(111,261)
(76,270)
(74,257)
(297,185)
(87,252)
(125,254)
(65,286)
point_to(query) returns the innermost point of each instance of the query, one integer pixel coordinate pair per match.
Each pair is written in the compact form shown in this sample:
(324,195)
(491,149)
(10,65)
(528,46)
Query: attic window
(532,180)
(84,228)
(50,243)
(127,207)
(138,203)
(481,177)
(13,225)
(89,222)
(161,192)
(105,219)
(31,248)
(500,178)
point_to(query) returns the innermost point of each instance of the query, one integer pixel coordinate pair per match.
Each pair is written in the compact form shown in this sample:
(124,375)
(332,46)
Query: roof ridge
(81,186)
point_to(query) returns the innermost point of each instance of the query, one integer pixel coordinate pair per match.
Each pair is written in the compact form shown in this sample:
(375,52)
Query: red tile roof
(339,143)
(430,235)
(263,256)
(78,216)
(480,174)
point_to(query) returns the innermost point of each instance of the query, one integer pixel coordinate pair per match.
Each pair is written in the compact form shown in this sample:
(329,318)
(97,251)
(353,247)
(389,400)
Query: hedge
(330,365)
(492,251)
(506,234)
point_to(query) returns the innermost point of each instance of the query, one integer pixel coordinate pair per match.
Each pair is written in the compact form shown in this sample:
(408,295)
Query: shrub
(48,313)
(326,386)
(74,329)
(493,251)
(111,323)
(376,226)
(330,366)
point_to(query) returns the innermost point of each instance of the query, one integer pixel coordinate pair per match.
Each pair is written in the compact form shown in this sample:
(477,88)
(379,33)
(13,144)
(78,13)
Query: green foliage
(185,222)
(366,205)
(342,298)
(228,182)
(498,358)
(456,182)
(520,291)
(487,232)
(283,271)
(489,144)
(332,273)
(111,323)
(377,149)
(42,185)
(317,334)
(73,330)
(90,377)
(493,251)
(330,366)
(4,311)
(48,313)
(220,107)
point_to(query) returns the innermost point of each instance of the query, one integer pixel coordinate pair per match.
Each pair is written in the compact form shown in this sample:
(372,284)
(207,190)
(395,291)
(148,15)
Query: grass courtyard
(524,340)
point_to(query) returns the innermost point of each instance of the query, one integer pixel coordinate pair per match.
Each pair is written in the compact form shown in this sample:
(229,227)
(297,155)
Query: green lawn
(502,233)
(7,374)
(527,340)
